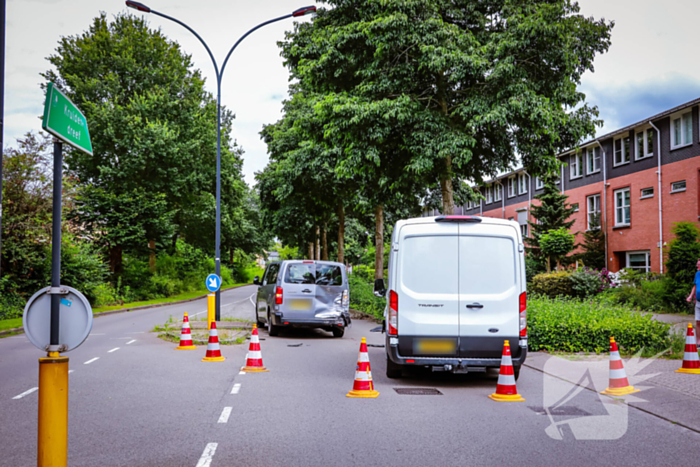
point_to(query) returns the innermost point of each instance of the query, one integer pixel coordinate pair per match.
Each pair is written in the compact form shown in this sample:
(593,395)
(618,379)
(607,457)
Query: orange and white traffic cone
(213,350)
(691,362)
(254,363)
(619,385)
(186,336)
(506,391)
(363,385)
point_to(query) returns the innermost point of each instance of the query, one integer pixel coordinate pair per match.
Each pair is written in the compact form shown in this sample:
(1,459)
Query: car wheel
(516,372)
(272,330)
(393,370)
(338,331)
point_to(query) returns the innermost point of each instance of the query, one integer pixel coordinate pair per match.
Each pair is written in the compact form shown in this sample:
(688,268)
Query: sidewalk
(672,396)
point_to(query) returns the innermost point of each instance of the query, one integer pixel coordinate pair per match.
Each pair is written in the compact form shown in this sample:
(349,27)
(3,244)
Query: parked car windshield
(310,273)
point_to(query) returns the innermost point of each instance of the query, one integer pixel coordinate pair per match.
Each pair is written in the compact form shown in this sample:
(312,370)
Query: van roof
(431,220)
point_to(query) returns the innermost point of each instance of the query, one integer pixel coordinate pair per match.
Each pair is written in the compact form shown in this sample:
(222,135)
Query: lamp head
(307,10)
(138,6)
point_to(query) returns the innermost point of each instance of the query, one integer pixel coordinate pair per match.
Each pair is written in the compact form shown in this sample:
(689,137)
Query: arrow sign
(213,282)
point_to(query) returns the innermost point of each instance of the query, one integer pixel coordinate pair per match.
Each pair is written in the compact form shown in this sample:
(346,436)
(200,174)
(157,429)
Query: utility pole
(3,4)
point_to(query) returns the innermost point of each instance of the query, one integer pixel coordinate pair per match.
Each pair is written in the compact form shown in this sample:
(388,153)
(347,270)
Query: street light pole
(219,74)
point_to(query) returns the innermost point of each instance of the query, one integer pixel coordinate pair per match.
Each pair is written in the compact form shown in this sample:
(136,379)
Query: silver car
(309,294)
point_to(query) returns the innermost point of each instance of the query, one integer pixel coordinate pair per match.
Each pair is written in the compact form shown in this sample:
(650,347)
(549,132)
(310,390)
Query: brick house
(641,179)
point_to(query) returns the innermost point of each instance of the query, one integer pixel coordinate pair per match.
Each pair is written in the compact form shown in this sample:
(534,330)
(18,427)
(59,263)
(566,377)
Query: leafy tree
(682,255)
(556,244)
(447,89)
(552,213)
(153,131)
(593,254)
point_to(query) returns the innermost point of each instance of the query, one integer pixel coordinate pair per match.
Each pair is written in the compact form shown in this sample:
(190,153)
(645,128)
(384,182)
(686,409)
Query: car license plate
(300,305)
(434,346)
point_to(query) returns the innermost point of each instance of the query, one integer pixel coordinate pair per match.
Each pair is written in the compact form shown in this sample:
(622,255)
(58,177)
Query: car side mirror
(256,281)
(379,288)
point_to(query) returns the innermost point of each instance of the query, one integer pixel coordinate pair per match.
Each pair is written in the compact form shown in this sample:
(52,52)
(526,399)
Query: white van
(455,292)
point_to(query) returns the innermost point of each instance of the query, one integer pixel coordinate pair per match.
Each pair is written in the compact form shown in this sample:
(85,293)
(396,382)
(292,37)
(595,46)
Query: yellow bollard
(53,411)
(211,309)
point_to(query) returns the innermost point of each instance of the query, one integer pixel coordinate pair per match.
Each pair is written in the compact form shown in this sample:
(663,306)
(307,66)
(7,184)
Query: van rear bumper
(392,352)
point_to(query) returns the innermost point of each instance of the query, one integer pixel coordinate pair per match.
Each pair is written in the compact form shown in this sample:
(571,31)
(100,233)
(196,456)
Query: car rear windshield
(310,273)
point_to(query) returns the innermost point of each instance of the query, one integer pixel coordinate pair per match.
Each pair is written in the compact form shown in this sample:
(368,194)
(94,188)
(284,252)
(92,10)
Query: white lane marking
(251,300)
(113,350)
(70,371)
(198,313)
(207,455)
(138,332)
(91,360)
(97,333)
(25,393)
(241,372)
(131,341)
(236,388)
(225,414)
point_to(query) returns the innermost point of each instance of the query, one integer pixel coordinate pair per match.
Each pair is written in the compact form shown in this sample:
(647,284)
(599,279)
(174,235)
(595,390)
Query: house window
(575,206)
(539,184)
(522,183)
(497,192)
(592,161)
(622,151)
(593,211)
(682,133)
(511,187)
(646,193)
(644,144)
(489,194)
(576,168)
(678,186)
(523,230)
(639,261)
(622,207)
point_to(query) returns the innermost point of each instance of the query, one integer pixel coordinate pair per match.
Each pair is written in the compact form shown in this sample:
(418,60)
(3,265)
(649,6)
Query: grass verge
(10,324)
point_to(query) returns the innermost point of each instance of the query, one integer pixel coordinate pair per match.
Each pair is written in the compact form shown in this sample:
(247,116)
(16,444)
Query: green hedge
(362,297)
(552,284)
(572,325)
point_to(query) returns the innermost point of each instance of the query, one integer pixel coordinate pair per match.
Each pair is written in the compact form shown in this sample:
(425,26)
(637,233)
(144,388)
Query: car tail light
(467,219)
(523,314)
(393,313)
(278,296)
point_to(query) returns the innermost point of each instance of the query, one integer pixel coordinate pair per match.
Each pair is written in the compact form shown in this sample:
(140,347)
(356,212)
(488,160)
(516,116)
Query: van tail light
(278,296)
(523,314)
(346,298)
(393,313)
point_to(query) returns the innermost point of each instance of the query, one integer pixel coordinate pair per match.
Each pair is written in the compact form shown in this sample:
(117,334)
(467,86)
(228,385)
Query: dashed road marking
(225,414)
(91,360)
(207,455)
(25,393)
(251,299)
(236,388)
(131,341)
(113,350)
(70,371)
(241,372)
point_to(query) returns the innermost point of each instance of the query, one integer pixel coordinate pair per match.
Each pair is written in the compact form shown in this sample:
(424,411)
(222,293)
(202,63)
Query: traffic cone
(186,336)
(619,386)
(505,388)
(363,385)
(254,363)
(213,350)
(691,362)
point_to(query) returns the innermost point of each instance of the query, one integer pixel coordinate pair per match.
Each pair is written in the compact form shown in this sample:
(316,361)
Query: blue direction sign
(213,282)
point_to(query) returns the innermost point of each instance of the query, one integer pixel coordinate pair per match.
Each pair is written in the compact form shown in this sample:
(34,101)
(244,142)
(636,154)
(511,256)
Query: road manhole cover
(418,391)
(566,410)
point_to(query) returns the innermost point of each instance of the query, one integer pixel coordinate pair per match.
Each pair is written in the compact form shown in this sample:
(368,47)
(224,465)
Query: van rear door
(299,286)
(426,284)
(488,289)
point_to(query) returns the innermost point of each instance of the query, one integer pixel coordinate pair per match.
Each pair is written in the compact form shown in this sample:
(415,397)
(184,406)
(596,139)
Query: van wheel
(272,330)
(393,370)
(516,372)
(338,331)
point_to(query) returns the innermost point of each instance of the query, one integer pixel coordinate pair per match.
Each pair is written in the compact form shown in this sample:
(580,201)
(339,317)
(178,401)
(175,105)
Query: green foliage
(682,256)
(552,213)
(586,282)
(552,284)
(362,296)
(572,325)
(647,296)
(288,252)
(363,272)
(11,303)
(533,267)
(593,245)
(555,244)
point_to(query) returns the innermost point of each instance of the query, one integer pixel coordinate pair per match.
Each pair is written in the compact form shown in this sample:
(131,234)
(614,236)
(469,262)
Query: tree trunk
(324,238)
(341,234)
(317,254)
(115,259)
(379,242)
(230,256)
(311,251)
(152,255)
(448,199)
(548,265)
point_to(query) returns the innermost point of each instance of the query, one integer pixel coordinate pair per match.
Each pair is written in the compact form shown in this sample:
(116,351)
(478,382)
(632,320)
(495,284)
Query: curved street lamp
(219,74)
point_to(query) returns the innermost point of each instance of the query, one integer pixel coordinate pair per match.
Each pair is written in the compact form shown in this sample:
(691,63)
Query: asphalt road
(148,405)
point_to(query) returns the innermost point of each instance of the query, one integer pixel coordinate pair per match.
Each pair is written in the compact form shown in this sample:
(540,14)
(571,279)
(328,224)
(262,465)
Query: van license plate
(434,346)
(300,305)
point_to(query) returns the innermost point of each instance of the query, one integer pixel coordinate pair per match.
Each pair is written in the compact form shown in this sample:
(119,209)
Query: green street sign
(63,120)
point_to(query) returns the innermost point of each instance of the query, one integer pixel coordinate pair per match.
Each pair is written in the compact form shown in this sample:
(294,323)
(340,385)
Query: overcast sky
(650,66)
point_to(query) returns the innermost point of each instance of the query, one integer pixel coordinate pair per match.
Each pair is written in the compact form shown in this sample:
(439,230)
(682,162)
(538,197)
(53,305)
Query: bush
(552,284)
(586,282)
(681,258)
(572,325)
(11,303)
(533,267)
(362,296)
(363,272)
